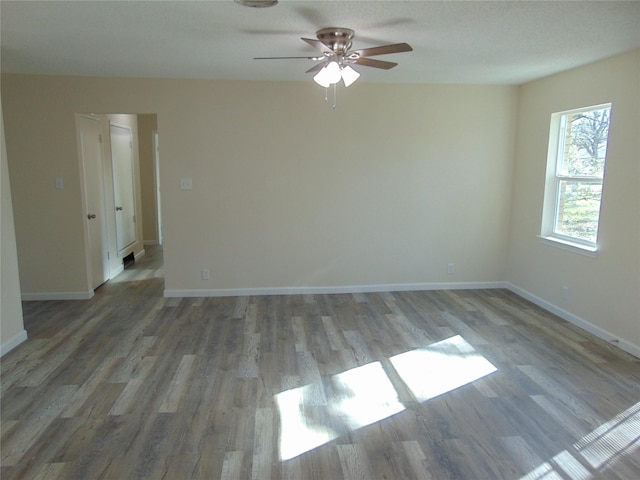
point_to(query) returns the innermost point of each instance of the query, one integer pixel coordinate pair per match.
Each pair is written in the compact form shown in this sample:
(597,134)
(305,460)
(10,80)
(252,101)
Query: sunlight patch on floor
(618,437)
(441,367)
(365,395)
(298,432)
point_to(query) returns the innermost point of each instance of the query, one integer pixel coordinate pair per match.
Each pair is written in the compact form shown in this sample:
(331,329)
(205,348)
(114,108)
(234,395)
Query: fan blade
(318,44)
(369,62)
(316,68)
(286,58)
(383,50)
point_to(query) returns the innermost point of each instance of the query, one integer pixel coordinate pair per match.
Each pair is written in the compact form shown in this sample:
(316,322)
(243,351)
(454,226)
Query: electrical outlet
(186,184)
(205,274)
(451,268)
(565,292)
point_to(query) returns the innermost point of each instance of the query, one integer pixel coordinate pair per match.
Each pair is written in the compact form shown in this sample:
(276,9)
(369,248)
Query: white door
(123,185)
(93,166)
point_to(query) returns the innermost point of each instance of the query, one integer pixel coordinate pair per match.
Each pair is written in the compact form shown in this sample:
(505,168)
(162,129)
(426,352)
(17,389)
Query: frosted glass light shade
(328,75)
(349,75)
(321,78)
(333,73)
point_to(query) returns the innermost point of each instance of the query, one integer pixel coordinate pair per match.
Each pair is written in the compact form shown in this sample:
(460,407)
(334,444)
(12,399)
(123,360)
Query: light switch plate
(186,184)
(59,182)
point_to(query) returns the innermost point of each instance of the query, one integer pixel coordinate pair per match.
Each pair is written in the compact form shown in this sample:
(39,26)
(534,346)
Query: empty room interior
(320,240)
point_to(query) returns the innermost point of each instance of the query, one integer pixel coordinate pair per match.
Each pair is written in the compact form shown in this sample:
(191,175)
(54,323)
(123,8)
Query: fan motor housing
(336,38)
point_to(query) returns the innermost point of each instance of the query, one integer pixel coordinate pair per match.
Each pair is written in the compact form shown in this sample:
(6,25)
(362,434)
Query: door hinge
(134,219)
(99,138)
(108,256)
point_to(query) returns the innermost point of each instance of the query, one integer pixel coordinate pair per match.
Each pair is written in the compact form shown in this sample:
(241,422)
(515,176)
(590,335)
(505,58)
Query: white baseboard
(57,296)
(141,253)
(13,342)
(151,242)
(395,287)
(577,321)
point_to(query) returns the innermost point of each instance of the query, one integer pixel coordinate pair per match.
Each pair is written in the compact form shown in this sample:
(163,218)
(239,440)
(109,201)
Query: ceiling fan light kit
(333,73)
(337,58)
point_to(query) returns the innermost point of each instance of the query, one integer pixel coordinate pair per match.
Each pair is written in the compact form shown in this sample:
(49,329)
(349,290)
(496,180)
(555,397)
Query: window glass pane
(584,143)
(575,175)
(578,209)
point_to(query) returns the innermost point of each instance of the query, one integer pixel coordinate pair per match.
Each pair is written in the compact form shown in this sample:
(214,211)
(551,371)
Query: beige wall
(48,221)
(12,330)
(287,192)
(387,189)
(147,125)
(605,290)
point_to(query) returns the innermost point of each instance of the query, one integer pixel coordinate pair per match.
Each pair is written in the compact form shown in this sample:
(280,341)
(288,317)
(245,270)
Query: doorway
(119,167)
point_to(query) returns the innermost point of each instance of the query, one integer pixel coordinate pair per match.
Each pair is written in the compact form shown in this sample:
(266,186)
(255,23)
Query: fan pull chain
(335,96)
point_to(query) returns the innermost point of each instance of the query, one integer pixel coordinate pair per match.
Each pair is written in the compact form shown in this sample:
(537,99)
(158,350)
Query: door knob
(91,216)
(118,208)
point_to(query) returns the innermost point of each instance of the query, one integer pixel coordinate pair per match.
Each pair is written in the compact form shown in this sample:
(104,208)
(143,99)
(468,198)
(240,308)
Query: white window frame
(553,181)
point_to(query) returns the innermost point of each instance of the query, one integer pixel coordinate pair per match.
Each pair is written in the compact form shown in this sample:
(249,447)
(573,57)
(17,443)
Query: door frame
(156,171)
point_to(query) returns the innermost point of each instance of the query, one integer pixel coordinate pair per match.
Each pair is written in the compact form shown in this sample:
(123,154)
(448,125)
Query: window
(575,174)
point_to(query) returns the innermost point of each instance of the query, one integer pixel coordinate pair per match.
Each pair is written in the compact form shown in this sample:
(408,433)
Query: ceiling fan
(337,58)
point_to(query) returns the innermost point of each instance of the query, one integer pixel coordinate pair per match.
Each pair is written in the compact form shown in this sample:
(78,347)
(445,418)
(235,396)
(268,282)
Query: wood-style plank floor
(410,385)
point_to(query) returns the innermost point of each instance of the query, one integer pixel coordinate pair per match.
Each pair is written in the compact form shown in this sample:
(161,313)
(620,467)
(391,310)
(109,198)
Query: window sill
(569,246)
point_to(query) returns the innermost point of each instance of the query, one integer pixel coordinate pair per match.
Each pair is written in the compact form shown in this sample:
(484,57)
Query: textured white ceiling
(498,42)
